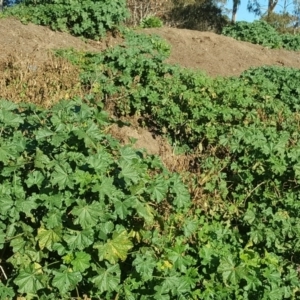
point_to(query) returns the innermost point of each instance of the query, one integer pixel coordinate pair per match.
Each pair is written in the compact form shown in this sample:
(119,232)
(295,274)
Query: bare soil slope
(215,54)
(220,55)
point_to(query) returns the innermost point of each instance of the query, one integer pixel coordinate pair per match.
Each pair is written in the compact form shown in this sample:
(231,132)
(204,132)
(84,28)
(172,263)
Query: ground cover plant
(83,217)
(79,212)
(245,133)
(262,33)
(151,22)
(89,18)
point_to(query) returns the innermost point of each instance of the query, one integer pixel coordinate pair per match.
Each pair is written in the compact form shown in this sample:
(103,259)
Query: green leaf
(129,172)
(206,254)
(145,264)
(83,179)
(60,248)
(59,138)
(178,285)
(108,279)
(43,133)
(91,136)
(129,154)
(107,228)
(62,176)
(6,152)
(100,162)
(229,270)
(29,281)
(53,218)
(6,105)
(6,292)
(277,293)
(10,118)
(122,208)
(272,274)
(81,261)
(144,210)
(182,198)
(26,206)
(159,189)
(116,248)
(2,238)
(87,215)
(47,237)
(190,227)
(18,244)
(106,188)
(66,281)
(296,168)
(79,239)
(178,256)
(162,293)
(250,257)
(250,215)
(6,204)
(41,160)
(35,178)
(53,201)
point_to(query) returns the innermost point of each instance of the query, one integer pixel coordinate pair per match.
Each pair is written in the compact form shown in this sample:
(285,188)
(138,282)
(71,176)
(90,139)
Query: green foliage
(257,32)
(89,18)
(197,15)
(82,215)
(151,22)
(77,209)
(282,22)
(291,41)
(260,32)
(276,83)
(243,241)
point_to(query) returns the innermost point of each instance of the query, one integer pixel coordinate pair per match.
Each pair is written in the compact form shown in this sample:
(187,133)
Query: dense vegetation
(85,217)
(89,18)
(260,32)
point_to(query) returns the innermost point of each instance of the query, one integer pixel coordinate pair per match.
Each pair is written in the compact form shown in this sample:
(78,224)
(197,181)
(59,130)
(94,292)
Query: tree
(297,13)
(257,7)
(203,15)
(236,4)
(284,21)
(4,3)
(259,10)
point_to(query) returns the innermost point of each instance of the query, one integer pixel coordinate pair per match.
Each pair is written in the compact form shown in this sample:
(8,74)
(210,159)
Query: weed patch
(23,80)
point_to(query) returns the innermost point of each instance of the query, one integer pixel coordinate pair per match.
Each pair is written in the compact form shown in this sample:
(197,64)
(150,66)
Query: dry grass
(22,80)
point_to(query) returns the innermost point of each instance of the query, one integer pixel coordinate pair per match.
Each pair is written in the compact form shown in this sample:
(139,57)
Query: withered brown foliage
(23,80)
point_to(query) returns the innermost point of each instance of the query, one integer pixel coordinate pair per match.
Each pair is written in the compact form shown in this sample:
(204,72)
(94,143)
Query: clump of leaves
(291,41)
(74,204)
(276,83)
(89,18)
(257,32)
(262,33)
(151,22)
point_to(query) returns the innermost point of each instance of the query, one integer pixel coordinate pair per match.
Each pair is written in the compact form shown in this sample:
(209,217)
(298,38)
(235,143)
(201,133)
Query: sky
(244,15)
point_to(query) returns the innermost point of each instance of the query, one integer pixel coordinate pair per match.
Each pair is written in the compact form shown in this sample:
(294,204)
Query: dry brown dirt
(220,55)
(215,54)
